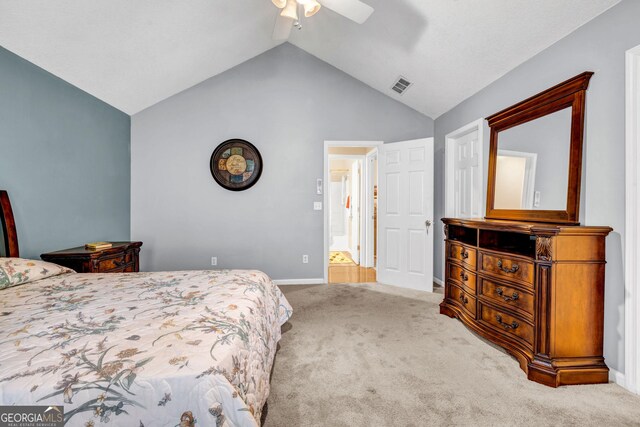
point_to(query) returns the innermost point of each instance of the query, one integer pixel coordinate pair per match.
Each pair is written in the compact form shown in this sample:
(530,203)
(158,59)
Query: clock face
(236,164)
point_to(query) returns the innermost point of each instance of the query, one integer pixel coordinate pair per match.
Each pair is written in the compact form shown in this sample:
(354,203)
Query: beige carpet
(355,356)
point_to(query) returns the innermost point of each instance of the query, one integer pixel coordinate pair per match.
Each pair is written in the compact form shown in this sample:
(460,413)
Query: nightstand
(122,257)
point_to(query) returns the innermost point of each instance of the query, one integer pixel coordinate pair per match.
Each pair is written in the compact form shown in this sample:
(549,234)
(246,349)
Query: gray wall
(287,103)
(598,46)
(64,158)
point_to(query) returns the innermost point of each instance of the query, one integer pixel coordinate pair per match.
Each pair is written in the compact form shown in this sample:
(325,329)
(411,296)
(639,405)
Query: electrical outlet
(214,260)
(305,259)
(317,206)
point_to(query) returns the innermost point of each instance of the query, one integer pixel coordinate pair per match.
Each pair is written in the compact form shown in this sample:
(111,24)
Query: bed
(178,348)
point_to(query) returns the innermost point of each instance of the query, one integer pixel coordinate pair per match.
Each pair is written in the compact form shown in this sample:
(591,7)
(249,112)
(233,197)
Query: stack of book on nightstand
(96,246)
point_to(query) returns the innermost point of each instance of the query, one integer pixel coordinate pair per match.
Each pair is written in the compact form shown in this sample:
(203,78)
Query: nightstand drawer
(118,262)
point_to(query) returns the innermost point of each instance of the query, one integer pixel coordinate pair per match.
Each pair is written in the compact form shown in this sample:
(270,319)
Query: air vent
(401,85)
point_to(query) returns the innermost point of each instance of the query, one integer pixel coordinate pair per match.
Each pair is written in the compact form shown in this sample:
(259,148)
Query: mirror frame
(570,93)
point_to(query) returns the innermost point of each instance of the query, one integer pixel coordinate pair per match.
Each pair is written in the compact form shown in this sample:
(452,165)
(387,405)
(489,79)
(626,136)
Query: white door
(354,212)
(463,174)
(405,214)
(467,177)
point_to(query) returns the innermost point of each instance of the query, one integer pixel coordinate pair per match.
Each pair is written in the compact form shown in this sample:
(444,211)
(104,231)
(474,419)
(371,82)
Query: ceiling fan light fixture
(290,10)
(311,8)
(280,4)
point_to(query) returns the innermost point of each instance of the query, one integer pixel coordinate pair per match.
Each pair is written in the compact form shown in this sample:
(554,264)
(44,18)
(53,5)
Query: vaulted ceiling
(133,54)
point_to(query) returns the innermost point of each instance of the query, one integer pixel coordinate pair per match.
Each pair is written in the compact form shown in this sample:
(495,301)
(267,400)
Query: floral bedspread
(145,349)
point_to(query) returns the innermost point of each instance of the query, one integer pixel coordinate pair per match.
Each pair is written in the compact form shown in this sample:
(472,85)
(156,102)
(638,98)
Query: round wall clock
(236,164)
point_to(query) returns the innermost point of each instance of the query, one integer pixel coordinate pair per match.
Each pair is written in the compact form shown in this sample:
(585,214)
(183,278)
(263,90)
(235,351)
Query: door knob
(427,223)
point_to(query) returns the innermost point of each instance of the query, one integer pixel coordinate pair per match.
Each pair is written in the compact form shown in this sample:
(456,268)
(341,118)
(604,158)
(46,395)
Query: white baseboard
(438,281)
(617,377)
(299,282)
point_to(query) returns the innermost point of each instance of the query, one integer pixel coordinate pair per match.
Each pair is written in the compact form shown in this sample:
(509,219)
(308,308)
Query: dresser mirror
(535,156)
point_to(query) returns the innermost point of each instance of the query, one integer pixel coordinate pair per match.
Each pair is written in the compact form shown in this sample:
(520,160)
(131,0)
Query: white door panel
(405,205)
(467,175)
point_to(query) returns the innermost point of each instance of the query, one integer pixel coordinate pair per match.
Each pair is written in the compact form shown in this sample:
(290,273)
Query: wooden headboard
(9,237)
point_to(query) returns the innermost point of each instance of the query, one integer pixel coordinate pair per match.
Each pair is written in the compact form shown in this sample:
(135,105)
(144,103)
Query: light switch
(319,186)
(317,206)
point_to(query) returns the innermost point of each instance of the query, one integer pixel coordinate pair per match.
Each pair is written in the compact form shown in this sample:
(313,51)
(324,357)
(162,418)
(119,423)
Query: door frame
(370,183)
(325,192)
(449,178)
(632,223)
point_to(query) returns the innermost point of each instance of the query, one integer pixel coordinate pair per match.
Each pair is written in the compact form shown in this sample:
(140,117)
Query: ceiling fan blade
(282,28)
(355,10)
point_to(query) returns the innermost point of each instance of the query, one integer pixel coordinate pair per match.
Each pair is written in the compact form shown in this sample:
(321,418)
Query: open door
(405,214)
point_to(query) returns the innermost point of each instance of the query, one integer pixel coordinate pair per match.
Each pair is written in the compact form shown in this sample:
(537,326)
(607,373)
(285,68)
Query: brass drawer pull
(464,299)
(464,276)
(513,269)
(119,263)
(514,325)
(513,296)
(464,254)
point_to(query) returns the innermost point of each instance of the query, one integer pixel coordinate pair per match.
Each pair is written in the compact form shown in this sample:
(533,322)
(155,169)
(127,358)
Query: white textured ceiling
(134,53)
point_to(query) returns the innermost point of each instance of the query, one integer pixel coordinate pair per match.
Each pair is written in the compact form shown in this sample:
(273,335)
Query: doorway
(351,173)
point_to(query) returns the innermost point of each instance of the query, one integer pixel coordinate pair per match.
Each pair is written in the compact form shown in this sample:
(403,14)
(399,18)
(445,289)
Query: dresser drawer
(463,254)
(463,277)
(506,296)
(510,324)
(463,299)
(507,267)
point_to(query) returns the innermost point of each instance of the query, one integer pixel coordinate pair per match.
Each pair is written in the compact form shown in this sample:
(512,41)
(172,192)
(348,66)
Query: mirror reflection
(532,168)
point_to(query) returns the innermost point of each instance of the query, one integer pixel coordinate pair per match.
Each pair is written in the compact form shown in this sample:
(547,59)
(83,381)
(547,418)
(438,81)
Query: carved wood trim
(543,249)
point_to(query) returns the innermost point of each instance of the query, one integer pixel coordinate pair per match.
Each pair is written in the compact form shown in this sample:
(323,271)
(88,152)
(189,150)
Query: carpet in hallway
(373,355)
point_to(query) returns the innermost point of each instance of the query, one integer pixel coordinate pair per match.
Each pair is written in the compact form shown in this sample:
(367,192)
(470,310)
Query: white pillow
(18,271)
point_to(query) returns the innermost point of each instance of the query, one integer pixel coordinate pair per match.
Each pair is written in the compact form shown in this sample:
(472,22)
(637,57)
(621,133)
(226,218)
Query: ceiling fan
(288,18)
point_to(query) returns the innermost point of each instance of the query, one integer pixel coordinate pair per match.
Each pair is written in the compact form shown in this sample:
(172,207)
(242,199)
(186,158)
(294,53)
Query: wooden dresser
(535,289)
(122,257)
